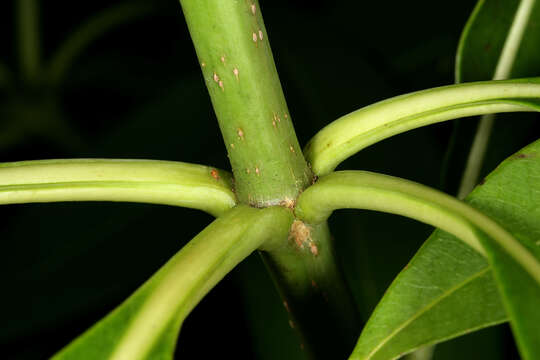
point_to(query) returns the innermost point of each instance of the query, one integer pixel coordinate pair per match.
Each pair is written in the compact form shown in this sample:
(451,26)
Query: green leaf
(364,127)
(146,325)
(448,290)
(445,291)
(499,41)
(417,310)
(146,181)
(513,197)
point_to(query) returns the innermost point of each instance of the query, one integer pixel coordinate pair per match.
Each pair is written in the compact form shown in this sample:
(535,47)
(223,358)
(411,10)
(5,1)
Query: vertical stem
(314,294)
(269,167)
(234,53)
(476,156)
(29,43)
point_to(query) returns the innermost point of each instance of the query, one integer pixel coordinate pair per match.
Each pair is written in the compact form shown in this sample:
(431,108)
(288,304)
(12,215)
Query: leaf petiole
(147,181)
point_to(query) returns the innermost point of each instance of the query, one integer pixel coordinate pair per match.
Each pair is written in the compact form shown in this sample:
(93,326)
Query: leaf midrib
(424,310)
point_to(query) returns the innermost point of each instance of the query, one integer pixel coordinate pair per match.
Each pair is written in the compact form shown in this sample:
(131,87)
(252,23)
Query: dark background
(137,92)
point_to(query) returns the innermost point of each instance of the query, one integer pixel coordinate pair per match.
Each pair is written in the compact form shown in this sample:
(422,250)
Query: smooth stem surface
(318,302)
(370,191)
(357,130)
(146,325)
(90,31)
(476,156)
(238,68)
(28,38)
(147,181)
(502,72)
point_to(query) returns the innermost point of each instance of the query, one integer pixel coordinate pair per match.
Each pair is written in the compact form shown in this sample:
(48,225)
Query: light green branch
(238,68)
(476,156)
(89,32)
(28,38)
(146,181)
(502,71)
(146,325)
(370,191)
(357,130)
(236,60)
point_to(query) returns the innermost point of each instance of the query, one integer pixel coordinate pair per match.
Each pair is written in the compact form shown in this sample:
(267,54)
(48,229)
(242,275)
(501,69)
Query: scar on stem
(288,203)
(286,306)
(301,234)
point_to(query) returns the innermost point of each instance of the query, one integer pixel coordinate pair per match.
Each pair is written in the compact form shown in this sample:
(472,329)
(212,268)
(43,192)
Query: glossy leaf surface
(447,289)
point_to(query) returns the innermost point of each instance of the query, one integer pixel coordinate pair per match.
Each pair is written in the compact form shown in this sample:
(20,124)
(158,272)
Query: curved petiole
(359,129)
(146,325)
(89,31)
(371,191)
(147,181)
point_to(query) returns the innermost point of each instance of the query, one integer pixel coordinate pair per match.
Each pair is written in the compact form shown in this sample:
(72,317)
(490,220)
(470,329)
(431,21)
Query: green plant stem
(28,38)
(268,165)
(238,68)
(147,181)
(502,72)
(476,156)
(370,191)
(314,293)
(357,130)
(147,324)
(89,32)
